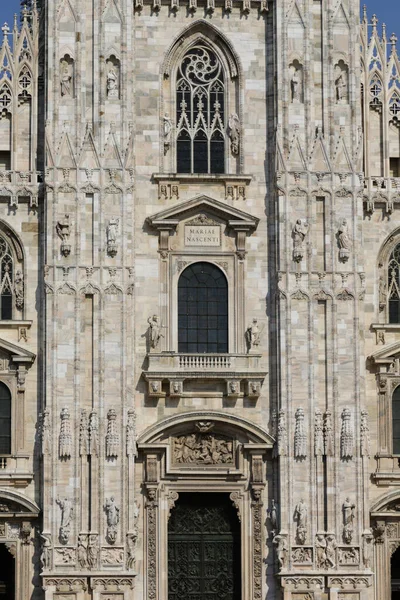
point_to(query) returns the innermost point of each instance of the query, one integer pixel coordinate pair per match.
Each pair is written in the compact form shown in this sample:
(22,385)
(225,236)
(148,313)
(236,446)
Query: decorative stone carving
(151,512)
(131,448)
(328,434)
(281,550)
(234,133)
(25,533)
(331,547)
(112,556)
(112,512)
(67,513)
(380,532)
(300,515)
(382,293)
(64,556)
(302,555)
(93,551)
(253,389)
(367,546)
(63,229)
(348,556)
(348,509)
(299,233)
(296,82)
(154,332)
(282,433)
(253,334)
(66,76)
(65,440)
(364,434)
(84,434)
(175,388)
(273,517)
(112,78)
(203,449)
(232,388)
(300,436)
(318,434)
(346,436)
(344,241)
(19,290)
(81,550)
(45,551)
(112,436)
(257,529)
(320,551)
(93,434)
(131,539)
(112,233)
(45,432)
(341,82)
(167,129)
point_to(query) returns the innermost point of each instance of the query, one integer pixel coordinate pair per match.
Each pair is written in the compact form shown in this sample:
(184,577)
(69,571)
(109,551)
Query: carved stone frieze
(302,555)
(298,582)
(202,449)
(64,555)
(65,584)
(112,584)
(348,555)
(112,556)
(349,582)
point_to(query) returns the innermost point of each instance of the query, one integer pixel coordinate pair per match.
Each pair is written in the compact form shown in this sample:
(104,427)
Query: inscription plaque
(202,235)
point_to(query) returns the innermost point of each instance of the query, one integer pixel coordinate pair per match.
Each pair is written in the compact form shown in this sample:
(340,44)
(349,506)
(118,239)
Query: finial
(384,31)
(15,22)
(393,41)
(25,13)
(374,22)
(365,17)
(6,30)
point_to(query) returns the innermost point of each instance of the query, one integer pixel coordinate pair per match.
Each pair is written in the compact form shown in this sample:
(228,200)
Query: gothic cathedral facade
(199,302)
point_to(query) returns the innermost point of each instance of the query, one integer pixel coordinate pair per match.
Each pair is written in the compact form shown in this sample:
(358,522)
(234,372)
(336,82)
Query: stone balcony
(167,373)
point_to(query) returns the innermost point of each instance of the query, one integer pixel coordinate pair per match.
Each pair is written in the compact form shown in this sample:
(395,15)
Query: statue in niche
(112,81)
(320,548)
(382,293)
(281,550)
(299,233)
(253,334)
(296,84)
(341,83)
(65,78)
(331,546)
(112,231)
(344,241)
(45,554)
(112,512)
(167,123)
(81,551)
(154,331)
(19,289)
(300,513)
(234,133)
(67,512)
(348,520)
(92,551)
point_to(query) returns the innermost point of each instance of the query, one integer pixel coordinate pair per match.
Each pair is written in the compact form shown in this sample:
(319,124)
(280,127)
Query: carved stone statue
(299,233)
(112,512)
(382,293)
(92,551)
(65,78)
(346,436)
(154,331)
(341,84)
(300,513)
(67,512)
(344,241)
(273,515)
(131,539)
(281,551)
(19,289)
(112,232)
(253,334)
(348,520)
(296,85)
(45,432)
(112,82)
(131,448)
(45,553)
(320,550)
(300,436)
(167,125)
(81,551)
(65,440)
(364,434)
(112,436)
(63,229)
(330,551)
(234,133)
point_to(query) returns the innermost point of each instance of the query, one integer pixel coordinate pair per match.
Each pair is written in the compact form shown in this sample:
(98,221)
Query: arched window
(200,112)
(11,282)
(5,419)
(202,309)
(394,285)
(396,420)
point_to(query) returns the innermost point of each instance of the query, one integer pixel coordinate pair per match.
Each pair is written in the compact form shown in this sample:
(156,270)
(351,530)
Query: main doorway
(395,574)
(204,548)
(7,574)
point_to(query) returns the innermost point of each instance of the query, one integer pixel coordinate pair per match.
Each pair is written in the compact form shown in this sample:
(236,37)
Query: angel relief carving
(204,449)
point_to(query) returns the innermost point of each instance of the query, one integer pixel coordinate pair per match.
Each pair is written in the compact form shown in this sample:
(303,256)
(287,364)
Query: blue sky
(387,11)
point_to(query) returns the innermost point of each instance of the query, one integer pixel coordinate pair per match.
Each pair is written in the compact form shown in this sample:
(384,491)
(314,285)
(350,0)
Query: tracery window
(200,112)
(394,285)
(5,419)
(11,282)
(202,309)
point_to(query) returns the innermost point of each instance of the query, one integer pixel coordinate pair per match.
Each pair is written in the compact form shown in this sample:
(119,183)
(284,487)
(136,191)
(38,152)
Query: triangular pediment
(387,354)
(202,204)
(15,353)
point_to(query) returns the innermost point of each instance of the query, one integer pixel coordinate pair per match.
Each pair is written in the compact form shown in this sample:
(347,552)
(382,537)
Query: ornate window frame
(19,271)
(382,302)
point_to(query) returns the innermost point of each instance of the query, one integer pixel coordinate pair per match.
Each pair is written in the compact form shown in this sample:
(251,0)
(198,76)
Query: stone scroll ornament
(112,512)
(65,439)
(67,513)
(344,241)
(346,436)
(300,436)
(299,234)
(112,233)
(349,515)
(112,437)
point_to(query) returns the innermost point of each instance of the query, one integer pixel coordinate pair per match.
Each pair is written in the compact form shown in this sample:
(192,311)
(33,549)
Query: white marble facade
(111,423)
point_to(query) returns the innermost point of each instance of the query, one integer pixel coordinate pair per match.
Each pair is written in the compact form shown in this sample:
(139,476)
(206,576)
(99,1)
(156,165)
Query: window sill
(169,183)
(385,326)
(13,324)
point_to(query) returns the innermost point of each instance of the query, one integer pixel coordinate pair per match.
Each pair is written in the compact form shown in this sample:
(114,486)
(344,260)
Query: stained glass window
(200,97)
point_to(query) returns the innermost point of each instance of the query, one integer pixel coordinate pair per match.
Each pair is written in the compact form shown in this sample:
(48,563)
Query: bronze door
(203,549)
